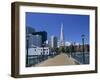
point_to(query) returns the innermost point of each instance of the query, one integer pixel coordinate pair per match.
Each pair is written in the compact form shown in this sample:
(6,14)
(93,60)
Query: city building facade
(43,35)
(53,42)
(39,51)
(29,30)
(34,41)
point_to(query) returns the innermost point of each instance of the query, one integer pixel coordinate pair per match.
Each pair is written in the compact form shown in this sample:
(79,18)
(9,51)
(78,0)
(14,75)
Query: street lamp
(71,49)
(27,41)
(83,36)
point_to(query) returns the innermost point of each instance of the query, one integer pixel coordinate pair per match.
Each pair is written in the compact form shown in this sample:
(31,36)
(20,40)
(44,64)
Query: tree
(62,49)
(67,49)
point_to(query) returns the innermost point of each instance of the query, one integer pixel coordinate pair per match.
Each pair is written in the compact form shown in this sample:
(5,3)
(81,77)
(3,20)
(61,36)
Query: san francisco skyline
(74,25)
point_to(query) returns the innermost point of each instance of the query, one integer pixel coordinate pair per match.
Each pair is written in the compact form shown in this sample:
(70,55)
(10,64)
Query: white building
(39,51)
(34,41)
(58,43)
(47,43)
(53,42)
(67,43)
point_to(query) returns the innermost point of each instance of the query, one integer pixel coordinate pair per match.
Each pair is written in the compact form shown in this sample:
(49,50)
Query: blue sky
(74,25)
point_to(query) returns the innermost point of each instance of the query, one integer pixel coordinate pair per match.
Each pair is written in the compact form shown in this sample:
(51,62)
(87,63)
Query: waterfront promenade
(61,59)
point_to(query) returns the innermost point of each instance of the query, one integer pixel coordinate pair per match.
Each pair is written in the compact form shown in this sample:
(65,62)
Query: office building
(30,30)
(34,41)
(54,42)
(43,35)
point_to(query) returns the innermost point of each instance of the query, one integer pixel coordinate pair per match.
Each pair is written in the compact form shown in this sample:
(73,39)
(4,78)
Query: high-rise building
(58,43)
(62,36)
(34,41)
(30,30)
(54,42)
(43,35)
(34,38)
(37,40)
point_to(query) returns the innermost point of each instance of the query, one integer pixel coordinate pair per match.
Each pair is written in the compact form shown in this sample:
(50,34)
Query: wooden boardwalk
(61,59)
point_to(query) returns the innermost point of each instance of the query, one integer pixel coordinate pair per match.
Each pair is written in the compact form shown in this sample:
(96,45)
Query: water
(79,57)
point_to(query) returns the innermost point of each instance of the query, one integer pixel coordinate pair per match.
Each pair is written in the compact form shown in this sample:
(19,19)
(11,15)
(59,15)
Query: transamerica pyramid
(61,36)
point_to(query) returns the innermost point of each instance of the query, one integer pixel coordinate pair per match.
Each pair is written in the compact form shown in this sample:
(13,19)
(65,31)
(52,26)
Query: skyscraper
(29,30)
(43,34)
(34,41)
(62,36)
(53,42)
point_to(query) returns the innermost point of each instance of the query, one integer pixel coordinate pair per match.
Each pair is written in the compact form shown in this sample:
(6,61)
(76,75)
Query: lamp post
(74,49)
(43,50)
(27,41)
(71,49)
(83,36)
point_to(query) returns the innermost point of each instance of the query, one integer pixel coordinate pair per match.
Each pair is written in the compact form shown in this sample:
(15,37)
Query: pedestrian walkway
(61,59)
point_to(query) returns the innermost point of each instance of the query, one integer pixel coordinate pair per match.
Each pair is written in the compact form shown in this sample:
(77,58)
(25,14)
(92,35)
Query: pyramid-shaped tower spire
(62,36)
